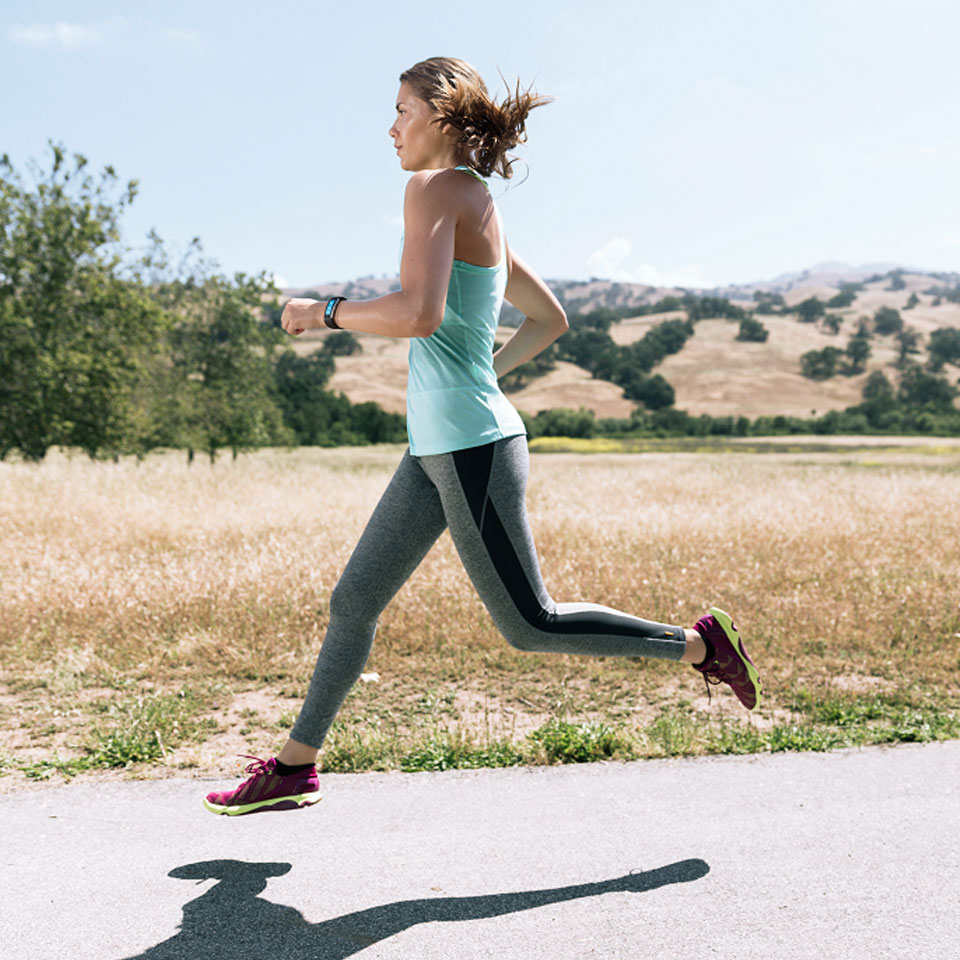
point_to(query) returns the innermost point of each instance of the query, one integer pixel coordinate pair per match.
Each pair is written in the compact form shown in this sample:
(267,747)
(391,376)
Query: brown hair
(458,95)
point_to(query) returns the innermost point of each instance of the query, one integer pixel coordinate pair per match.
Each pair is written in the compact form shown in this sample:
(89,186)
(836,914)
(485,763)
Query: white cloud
(117,32)
(610,263)
(61,34)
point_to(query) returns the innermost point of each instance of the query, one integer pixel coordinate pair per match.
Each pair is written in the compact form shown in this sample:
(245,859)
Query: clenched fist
(300,313)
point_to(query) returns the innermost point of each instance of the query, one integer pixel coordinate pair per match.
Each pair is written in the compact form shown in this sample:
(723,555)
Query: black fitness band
(329,313)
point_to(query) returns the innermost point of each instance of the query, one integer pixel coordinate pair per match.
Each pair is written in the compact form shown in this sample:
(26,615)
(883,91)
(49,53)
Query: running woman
(466,465)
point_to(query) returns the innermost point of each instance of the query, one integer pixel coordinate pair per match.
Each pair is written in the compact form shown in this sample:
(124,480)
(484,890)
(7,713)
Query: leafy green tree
(301,388)
(920,390)
(820,364)
(654,392)
(810,310)
(832,322)
(944,347)
(600,319)
(564,422)
(858,350)
(887,321)
(896,280)
(843,299)
(73,332)
(769,303)
(877,386)
(752,329)
(537,366)
(908,342)
(219,363)
(912,302)
(343,344)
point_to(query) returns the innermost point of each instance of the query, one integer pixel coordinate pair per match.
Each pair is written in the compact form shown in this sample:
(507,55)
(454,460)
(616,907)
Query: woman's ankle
(295,753)
(696,650)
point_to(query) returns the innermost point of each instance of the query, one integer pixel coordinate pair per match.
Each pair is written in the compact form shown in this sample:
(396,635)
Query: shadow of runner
(230,920)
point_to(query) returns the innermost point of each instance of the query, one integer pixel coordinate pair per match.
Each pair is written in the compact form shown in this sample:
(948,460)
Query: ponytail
(459,97)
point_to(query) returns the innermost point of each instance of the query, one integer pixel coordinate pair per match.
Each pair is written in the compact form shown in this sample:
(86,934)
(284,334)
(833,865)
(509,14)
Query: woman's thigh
(406,522)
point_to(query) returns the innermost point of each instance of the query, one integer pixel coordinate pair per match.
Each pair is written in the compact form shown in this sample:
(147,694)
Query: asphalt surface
(852,854)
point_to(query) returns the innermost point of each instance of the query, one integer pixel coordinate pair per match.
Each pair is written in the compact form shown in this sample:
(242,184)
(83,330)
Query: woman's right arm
(544,318)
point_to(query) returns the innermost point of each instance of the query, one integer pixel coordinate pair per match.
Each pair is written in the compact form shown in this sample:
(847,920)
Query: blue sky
(693,143)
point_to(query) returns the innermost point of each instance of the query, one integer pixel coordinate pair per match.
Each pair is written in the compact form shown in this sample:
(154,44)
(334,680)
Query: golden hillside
(714,373)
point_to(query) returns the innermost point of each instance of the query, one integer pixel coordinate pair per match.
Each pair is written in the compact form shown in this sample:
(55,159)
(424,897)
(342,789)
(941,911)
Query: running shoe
(729,663)
(266,790)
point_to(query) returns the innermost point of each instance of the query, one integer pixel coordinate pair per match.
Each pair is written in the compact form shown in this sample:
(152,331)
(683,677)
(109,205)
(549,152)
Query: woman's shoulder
(451,181)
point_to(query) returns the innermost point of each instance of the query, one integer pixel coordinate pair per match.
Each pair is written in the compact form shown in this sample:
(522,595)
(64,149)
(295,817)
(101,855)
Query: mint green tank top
(453,398)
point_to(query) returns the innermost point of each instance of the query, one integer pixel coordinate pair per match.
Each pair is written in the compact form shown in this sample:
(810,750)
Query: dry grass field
(161,618)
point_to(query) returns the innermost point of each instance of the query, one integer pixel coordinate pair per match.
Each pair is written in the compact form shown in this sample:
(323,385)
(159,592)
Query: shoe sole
(733,635)
(293,802)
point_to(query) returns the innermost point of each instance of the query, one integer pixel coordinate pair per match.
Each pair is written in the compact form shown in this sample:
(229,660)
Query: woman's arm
(416,310)
(545,319)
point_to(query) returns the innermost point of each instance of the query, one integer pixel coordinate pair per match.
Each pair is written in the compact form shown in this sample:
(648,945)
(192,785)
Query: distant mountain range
(586,295)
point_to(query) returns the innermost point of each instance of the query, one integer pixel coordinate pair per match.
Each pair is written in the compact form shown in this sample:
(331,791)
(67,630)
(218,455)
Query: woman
(466,466)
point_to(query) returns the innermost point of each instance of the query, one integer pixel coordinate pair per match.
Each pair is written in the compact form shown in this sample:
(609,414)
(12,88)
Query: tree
(944,347)
(887,321)
(300,385)
(921,390)
(564,422)
(908,342)
(832,322)
(877,386)
(912,301)
(769,303)
(343,344)
(810,310)
(843,299)
(858,350)
(72,331)
(820,364)
(752,329)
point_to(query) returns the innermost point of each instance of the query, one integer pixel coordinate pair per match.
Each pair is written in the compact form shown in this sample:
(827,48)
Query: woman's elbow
(426,324)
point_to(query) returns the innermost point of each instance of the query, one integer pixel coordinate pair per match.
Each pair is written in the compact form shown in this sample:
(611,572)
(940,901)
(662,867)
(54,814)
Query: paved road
(847,855)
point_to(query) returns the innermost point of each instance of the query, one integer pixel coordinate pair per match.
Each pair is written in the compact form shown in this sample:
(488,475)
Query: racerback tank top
(453,398)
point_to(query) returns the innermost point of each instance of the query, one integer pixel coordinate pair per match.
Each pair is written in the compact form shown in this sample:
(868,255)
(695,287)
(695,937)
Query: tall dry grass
(837,572)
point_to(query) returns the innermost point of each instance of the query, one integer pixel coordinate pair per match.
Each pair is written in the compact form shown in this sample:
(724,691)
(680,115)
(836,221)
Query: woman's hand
(300,313)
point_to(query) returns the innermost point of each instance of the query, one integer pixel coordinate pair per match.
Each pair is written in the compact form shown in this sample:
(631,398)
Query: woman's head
(451,117)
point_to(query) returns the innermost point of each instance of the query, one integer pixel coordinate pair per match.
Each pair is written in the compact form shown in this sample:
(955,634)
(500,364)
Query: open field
(160,618)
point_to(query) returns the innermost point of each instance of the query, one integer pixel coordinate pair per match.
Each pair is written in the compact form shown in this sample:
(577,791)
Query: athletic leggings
(479,494)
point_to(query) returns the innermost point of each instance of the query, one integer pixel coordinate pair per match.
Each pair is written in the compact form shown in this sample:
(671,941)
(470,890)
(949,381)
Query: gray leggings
(479,493)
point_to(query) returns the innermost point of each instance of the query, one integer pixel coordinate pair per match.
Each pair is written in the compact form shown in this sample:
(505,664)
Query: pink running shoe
(729,662)
(266,790)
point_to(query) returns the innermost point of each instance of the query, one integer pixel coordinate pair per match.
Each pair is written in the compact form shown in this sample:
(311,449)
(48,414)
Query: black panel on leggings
(474,466)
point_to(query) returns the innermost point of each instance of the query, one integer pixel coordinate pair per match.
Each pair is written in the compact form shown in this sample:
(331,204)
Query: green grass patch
(565,742)
(141,730)
(137,729)
(447,751)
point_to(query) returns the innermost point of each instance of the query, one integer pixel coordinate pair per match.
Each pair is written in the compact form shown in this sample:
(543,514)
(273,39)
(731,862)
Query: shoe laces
(711,675)
(257,768)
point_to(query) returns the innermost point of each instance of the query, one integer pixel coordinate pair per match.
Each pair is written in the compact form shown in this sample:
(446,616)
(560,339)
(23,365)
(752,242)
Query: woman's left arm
(416,310)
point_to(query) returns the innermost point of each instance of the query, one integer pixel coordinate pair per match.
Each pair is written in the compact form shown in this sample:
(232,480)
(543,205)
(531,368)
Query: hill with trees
(115,351)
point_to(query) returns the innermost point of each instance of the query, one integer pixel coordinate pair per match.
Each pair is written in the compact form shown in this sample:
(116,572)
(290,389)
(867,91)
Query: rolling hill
(713,373)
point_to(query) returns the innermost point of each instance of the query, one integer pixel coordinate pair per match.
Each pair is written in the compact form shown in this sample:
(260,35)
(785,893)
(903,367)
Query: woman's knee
(349,601)
(523,637)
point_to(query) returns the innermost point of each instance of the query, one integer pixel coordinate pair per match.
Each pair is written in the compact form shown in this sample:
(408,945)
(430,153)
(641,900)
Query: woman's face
(421,145)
